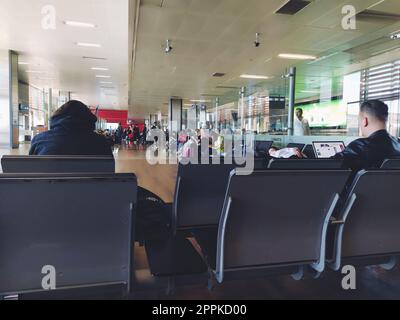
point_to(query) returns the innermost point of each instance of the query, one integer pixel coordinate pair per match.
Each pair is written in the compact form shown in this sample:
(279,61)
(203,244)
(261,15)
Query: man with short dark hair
(377,144)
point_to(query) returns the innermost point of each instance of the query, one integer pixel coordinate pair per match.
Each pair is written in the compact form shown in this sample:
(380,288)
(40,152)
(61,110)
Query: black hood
(85,122)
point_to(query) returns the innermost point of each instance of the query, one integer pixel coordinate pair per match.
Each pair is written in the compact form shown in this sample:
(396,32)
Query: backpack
(153,216)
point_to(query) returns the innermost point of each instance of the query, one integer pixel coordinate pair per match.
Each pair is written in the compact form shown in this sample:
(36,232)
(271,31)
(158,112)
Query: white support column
(216,113)
(175,115)
(9,100)
(292,100)
(241,107)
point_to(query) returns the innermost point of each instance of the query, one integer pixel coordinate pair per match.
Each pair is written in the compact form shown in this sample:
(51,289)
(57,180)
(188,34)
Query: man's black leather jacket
(369,153)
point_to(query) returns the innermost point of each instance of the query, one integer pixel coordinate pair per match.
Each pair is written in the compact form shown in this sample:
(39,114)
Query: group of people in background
(130,136)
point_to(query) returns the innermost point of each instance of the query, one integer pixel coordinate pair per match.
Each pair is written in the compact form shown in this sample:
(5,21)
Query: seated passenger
(376,145)
(286,153)
(71,133)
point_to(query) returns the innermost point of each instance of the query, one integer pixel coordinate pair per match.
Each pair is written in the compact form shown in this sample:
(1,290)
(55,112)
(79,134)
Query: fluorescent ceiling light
(80,24)
(295,56)
(94,58)
(100,69)
(106,82)
(310,91)
(200,101)
(102,76)
(21,63)
(323,58)
(252,76)
(90,45)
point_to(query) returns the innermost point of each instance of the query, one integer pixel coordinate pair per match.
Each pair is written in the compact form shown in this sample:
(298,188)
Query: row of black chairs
(277,220)
(200,189)
(274,220)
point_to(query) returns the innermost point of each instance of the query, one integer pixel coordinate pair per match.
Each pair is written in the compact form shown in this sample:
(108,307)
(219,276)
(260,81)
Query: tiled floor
(372,282)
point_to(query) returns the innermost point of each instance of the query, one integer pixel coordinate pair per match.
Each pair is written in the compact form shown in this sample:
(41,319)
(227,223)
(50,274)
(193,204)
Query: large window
(380,82)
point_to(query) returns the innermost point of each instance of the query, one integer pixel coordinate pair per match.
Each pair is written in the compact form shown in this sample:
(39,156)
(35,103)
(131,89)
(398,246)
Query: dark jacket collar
(382,132)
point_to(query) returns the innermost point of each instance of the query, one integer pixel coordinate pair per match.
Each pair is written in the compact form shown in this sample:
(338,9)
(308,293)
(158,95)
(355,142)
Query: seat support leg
(171,287)
(299,274)
(390,265)
(211,281)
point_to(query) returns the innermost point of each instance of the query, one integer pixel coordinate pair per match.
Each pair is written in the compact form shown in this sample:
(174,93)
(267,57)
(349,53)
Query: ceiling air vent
(293,6)
(218,74)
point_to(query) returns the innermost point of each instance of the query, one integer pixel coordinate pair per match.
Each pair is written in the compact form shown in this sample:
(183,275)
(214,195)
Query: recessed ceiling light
(253,76)
(93,58)
(102,76)
(80,24)
(87,44)
(295,56)
(100,69)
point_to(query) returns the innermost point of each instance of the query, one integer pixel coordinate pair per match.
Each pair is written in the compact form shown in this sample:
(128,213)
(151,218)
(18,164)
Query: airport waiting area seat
(79,224)
(367,227)
(199,195)
(198,201)
(200,189)
(261,231)
(58,164)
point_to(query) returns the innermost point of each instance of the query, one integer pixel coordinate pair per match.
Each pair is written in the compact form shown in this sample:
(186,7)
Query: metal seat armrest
(337,258)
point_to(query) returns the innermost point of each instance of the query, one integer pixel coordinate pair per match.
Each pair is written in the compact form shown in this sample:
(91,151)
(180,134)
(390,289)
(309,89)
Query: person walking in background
(144,136)
(301,125)
(119,134)
(136,132)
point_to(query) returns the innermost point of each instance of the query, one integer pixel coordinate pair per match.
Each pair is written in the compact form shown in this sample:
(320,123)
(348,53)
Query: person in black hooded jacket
(71,133)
